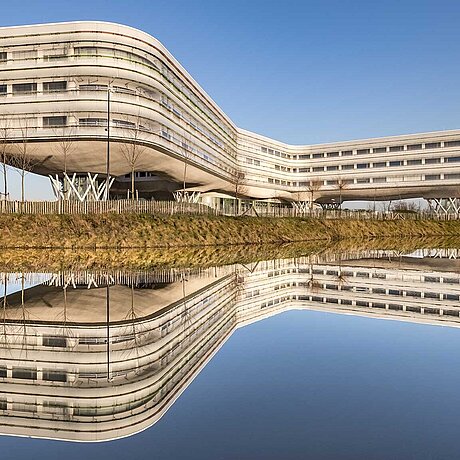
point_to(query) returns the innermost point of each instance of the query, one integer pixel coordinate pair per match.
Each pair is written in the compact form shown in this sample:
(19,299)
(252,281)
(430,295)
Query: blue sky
(298,71)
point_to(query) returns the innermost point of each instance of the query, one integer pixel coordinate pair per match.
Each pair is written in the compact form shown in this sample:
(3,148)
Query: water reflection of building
(71,368)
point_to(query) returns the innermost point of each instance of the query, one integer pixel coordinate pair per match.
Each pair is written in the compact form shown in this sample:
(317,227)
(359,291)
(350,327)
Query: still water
(344,356)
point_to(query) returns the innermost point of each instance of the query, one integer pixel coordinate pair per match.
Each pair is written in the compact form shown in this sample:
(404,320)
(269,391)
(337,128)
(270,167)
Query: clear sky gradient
(298,71)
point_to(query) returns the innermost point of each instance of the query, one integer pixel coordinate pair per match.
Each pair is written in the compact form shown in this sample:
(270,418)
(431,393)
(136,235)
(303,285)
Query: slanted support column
(185,196)
(301,207)
(444,206)
(330,206)
(80,188)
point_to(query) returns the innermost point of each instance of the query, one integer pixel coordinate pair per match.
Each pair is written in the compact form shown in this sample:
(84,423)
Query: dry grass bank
(146,231)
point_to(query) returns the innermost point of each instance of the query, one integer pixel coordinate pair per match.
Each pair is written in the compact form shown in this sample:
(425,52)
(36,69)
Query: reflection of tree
(24,318)
(66,331)
(137,333)
(186,317)
(312,283)
(5,306)
(342,276)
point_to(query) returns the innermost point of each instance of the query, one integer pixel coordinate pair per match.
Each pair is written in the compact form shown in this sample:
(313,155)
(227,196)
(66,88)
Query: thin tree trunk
(23,173)
(5,179)
(185,176)
(132,181)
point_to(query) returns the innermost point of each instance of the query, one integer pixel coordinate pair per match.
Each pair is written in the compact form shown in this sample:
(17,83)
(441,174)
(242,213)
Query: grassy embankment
(146,231)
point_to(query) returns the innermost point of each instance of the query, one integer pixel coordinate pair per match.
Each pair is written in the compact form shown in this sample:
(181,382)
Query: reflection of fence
(104,207)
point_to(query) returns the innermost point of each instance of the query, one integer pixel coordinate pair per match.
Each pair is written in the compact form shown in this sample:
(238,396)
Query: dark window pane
(54,341)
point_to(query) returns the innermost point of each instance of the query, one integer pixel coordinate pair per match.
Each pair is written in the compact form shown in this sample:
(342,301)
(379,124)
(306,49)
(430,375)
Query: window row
(367,151)
(343,183)
(383,305)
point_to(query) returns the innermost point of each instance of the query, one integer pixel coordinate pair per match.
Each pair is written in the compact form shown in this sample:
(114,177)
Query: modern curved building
(55,83)
(94,356)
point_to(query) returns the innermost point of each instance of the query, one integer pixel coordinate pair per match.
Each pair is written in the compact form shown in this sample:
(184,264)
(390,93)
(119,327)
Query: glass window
(451,297)
(3,56)
(318,155)
(432,279)
(452,159)
(55,55)
(86,51)
(332,154)
(99,122)
(381,164)
(54,341)
(414,147)
(3,90)
(380,150)
(433,177)
(318,168)
(396,148)
(447,144)
(124,124)
(24,373)
(344,167)
(332,168)
(347,153)
(362,165)
(363,181)
(433,145)
(452,176)
(396,163)
(22,88)
(25,54)
(432,161)
(379,180)
(50,86)
(55,121)
(55,376)
(363,151)
(414,162)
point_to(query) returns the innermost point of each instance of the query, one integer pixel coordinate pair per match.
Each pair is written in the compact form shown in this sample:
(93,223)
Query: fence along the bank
(104,207)
(174,208)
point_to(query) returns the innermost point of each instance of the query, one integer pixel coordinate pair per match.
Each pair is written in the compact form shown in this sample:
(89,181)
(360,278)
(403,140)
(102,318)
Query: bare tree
(341,185)
(65,146)
(132,149)
(301,193)
(239,187)
(5,134)
(186,154)
(405,206)
(23,157)
(313,187)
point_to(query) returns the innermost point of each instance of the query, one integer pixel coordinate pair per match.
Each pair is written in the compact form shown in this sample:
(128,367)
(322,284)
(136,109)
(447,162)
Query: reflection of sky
(15,281)
(303,385)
